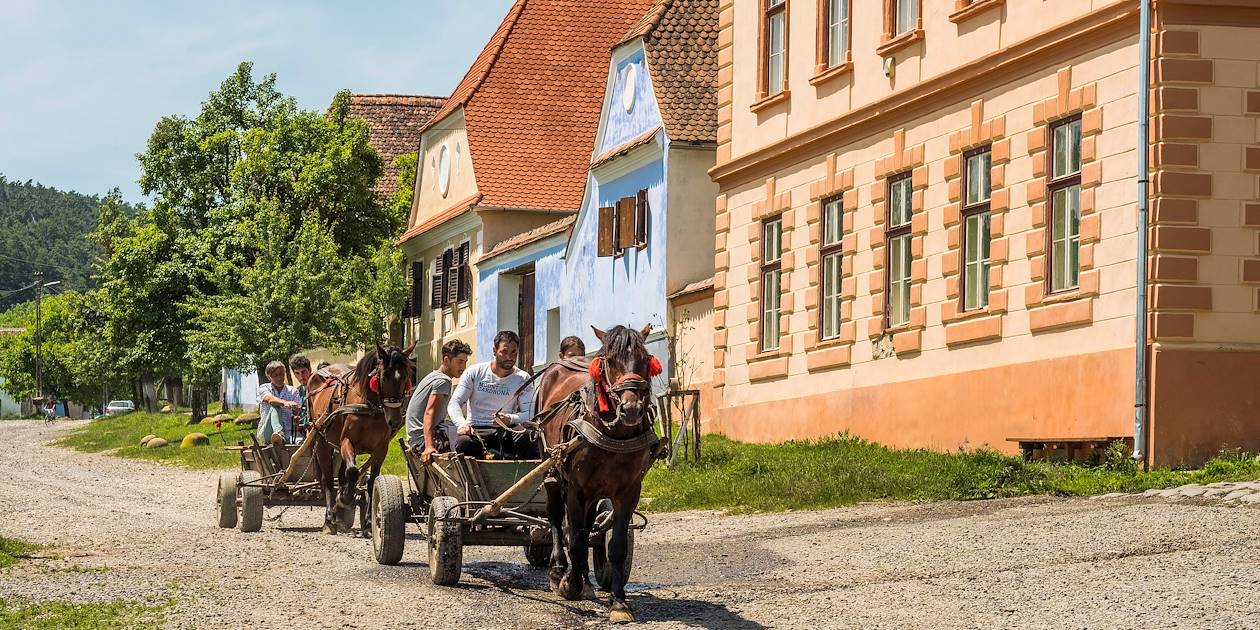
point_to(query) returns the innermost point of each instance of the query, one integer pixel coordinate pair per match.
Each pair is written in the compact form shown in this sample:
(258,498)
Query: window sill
(826,75)
(768,355)
(771,101)
(1070,295)
(975,313)
(901,41)
(977,6)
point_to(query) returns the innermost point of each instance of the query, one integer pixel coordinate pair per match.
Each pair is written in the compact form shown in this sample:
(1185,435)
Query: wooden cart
(459,501)
(242,496)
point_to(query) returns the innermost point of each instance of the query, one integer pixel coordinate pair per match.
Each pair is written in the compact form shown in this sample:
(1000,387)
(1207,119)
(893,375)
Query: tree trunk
(199,404)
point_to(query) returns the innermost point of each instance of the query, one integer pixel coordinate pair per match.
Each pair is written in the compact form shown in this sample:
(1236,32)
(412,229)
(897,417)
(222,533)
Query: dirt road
(128,530)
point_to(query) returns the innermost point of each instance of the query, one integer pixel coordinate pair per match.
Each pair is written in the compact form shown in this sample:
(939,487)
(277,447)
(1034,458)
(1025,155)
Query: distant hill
(44,229)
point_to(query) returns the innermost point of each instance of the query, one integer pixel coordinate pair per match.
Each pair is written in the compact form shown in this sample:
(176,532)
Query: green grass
(120,435)
(846,470)
(744,477)
(11,550)
(35,615)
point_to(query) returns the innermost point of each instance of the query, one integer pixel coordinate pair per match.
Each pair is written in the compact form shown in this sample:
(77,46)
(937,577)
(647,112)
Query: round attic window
(444,169)
(628,87)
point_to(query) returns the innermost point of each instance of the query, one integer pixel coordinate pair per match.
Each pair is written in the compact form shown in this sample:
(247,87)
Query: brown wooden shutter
(417,289)
(465,273)
(641,219)
(453,267)
(607,245)
(625,223)
(436,290)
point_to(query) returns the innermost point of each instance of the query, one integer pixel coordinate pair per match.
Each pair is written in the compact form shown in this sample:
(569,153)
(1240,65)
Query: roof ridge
(646,27)
(464,91)
(394,94)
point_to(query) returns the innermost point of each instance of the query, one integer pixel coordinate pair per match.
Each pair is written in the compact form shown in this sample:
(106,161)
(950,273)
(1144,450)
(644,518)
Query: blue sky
(82,83)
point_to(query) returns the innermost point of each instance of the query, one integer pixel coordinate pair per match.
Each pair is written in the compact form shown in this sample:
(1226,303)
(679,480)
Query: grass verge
(11,550)
(845,470)
(121,436)
(744,477)
(38,615)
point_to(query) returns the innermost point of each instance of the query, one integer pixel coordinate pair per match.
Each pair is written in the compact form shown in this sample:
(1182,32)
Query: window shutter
(625,223)
(453,266)
(417,289)
(435,288)
(606,237)
(641,219)
(465,273)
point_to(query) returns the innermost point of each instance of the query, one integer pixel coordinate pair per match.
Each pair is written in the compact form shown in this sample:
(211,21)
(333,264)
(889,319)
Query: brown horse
(613,399)
(357,414)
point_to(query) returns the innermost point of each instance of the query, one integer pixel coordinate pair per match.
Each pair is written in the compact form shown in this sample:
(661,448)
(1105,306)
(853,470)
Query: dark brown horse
(615,398)
(357,413)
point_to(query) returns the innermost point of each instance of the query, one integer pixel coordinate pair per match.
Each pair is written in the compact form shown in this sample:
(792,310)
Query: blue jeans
(273,422)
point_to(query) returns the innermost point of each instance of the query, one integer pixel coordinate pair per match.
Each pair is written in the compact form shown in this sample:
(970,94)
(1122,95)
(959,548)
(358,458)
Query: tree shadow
(694,613)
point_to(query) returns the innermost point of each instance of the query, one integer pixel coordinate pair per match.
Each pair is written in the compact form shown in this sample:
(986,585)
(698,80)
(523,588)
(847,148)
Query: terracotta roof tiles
(680,39)
(395,121)
(532,99)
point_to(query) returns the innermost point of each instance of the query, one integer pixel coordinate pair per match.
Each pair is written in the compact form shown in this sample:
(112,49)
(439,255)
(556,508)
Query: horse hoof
(555,585)
(588,591)
(620,616)
(328,530)
(569,590)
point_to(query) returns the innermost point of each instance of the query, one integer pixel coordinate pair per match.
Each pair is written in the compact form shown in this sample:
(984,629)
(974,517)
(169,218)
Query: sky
(83,82)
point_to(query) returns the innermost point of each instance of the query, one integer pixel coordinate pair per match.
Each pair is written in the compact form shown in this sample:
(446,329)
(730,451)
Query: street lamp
(40,285)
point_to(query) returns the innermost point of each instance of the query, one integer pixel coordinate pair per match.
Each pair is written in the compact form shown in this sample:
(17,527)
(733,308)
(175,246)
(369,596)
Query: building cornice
(1096,29)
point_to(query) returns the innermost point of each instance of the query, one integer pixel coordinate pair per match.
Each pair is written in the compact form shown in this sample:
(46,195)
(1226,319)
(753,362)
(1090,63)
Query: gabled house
(641,251)
(506,154)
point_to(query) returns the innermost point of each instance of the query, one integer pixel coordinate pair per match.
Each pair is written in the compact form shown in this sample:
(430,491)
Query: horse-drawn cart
(460,501)
(261,483)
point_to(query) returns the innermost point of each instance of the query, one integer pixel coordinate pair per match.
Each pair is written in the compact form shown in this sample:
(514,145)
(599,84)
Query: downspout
(1141,389)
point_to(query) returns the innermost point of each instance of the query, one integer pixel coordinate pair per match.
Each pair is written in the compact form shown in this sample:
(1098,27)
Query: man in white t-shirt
(483,402)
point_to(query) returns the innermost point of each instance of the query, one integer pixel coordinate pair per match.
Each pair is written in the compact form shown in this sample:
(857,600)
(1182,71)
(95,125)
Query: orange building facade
(927,225)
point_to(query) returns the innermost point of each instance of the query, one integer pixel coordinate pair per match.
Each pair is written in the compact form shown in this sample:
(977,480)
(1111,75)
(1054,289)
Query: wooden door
(525,321)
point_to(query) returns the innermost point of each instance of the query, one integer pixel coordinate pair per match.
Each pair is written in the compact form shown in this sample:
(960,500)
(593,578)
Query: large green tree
(264,237)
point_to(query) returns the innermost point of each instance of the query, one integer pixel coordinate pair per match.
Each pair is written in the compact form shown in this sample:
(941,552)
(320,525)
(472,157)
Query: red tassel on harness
(374,384)
(654,367)
(596,371)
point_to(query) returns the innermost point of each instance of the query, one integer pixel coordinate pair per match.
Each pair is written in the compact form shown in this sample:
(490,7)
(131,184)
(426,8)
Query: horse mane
(622,344)
(363,373)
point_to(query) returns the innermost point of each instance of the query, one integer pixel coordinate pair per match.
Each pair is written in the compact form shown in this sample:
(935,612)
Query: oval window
(628,86)
(444,169)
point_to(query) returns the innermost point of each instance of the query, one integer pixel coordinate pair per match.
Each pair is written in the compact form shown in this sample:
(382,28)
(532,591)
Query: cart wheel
(599,552)
(446,549)
(539,555)
(226,500)
(389,520)
(251,502)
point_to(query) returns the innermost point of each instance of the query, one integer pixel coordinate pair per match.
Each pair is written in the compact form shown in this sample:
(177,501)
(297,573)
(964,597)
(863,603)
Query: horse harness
(337,406)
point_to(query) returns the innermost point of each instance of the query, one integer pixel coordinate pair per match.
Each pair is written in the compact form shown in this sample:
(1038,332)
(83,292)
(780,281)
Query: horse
(360,414)
(612,400)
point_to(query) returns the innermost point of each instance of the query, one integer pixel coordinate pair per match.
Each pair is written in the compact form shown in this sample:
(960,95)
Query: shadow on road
(531,584)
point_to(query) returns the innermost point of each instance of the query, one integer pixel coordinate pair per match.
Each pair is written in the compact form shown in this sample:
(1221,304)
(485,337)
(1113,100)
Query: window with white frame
(837,41)
(900,211)
(775,45)
(771,281)
(832,276)
(976,218)
(1065,205)
(905,16)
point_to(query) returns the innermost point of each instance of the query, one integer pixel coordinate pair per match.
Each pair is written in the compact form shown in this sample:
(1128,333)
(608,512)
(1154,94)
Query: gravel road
(130,530)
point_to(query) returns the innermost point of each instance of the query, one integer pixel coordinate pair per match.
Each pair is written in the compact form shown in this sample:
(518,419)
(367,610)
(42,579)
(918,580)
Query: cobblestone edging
(1226,492)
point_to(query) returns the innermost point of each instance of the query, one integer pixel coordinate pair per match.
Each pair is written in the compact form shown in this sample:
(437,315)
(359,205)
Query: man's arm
(430,420)
(524,405)
(463,392)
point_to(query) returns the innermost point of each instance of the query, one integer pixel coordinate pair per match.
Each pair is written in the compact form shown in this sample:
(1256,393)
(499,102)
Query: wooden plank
(607,245)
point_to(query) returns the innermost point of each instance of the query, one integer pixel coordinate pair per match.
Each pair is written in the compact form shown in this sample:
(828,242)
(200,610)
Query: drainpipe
(1143,154)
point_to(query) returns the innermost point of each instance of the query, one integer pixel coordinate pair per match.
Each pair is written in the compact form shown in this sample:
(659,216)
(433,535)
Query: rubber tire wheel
(389,520)
(446,549)
(251,502)
(226,500)
(538,555)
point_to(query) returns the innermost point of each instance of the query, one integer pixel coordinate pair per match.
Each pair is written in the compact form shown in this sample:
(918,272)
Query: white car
(116,407)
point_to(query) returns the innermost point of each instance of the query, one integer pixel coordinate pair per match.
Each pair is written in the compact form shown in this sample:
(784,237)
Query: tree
(70,366)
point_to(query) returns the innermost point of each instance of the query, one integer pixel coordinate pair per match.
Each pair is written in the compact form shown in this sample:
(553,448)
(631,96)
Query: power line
(38,264)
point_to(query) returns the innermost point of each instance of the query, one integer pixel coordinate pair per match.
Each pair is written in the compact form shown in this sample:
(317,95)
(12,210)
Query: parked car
(116,407)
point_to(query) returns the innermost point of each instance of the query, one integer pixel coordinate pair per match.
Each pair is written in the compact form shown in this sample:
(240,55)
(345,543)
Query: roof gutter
(1141,348)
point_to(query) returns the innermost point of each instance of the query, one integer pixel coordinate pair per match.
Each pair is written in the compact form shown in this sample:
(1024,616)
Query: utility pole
(39,377)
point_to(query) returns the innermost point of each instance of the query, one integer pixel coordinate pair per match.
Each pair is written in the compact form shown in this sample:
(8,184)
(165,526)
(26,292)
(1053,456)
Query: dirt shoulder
(131,530)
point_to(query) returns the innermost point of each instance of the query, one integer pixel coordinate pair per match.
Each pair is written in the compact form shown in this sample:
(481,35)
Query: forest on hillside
(44,229)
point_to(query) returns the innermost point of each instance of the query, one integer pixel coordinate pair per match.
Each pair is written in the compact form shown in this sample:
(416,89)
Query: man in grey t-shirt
(426,411)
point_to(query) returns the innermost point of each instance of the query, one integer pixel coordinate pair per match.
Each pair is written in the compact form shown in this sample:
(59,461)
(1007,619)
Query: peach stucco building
(927,225)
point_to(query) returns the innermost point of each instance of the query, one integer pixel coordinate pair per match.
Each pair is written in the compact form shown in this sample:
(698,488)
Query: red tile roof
(395,121)
(532,236)
(680,39)
(532,99)
(624,148)
(463,206)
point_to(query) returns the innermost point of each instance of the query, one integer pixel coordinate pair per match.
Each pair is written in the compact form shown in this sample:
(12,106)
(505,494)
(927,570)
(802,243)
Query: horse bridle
(389,402)
(628,381)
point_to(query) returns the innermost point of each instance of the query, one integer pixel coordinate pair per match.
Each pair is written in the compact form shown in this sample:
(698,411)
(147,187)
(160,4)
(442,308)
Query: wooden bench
(1069,449)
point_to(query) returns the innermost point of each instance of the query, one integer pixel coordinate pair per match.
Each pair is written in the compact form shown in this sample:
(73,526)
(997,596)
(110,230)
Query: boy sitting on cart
(488,390)
(427,428)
